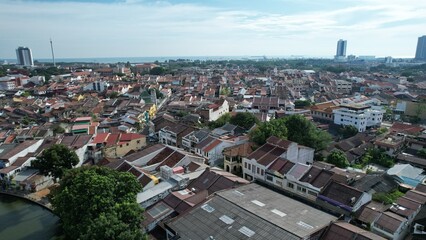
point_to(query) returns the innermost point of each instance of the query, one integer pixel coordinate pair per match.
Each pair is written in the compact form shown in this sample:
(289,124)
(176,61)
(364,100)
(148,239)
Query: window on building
(127,144)
(249,166)
(312,193)
(301,189)
(258,171)
(269,178)
(262,172)
(138,141)
(245,165)
(290,185)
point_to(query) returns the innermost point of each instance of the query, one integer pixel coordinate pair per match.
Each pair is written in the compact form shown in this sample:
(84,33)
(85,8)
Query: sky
(150,28)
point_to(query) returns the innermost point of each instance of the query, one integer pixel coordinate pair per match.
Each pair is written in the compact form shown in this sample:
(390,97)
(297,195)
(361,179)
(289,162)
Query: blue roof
(410,181)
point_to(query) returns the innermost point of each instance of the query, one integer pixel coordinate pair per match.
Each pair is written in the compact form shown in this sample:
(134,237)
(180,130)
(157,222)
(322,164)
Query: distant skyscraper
(24,56)
(341,48)
(421,48)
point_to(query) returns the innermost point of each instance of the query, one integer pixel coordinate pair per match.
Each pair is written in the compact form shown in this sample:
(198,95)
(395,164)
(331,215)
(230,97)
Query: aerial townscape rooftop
(258,133)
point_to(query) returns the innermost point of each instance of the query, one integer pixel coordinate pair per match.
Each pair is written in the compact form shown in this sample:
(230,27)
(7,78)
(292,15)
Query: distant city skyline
(151,28)
(421,48)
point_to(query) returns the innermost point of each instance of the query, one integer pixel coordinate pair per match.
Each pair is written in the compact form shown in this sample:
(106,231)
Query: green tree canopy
(422,152)
(55,160)
(225,91)
(387,198)
(275,127)
(222,120)
(304,132)
(348,131)
(57,129)
(114,95)
(98,203)
(302,103)
(338,158)
(245,120)
(157,71)
(377,156)
(295,128)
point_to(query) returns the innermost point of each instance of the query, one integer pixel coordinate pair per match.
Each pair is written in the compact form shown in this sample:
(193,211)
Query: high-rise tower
(341,48)
(24,56)
(421,48)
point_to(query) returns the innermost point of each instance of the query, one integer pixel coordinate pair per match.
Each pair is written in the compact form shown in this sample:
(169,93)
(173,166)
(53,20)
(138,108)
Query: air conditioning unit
(166,172)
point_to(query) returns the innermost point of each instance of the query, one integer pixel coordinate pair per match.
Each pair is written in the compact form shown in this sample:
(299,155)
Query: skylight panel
(258,203)
(207,208)
(305,225)
(226,219)
(246,231)
(278,212)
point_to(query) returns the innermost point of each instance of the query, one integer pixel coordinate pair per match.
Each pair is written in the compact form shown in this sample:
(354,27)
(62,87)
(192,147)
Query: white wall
(364,199)
(292,152)
(306,155)
(24,152)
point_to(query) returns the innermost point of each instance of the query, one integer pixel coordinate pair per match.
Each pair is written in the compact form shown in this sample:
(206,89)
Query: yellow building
(116,145)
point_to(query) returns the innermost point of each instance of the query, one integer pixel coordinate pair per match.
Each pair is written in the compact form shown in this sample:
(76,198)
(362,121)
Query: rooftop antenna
(53,54)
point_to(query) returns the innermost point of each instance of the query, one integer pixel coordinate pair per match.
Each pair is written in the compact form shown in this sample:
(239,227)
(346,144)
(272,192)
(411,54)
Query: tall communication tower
(53,53)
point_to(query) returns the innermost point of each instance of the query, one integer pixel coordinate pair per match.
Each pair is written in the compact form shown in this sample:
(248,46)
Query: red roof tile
(112,140)
(100,138)
(125,137)
(212,145)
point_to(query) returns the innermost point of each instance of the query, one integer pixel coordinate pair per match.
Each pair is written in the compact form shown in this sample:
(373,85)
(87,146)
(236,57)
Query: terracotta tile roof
(83,119)
(341,193)
(10,138)
(317,177)
(172,160)
(261,151)
(390,222)
(416,196)
(212,145)
(278,142)
(344,230)
(281,165)
(138,155)
(21,160)
(298,170)
(112,139)
(421,188)
(272,155)
(161,156)
(124,167)
(408,207)
(204,142)
(406,128)
(7,170)
(192,166)
(126,137)
(19,148)
(368,214)
(100,138)
(213,181)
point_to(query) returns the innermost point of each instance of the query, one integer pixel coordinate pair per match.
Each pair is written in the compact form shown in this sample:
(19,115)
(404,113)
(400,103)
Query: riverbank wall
(41,202)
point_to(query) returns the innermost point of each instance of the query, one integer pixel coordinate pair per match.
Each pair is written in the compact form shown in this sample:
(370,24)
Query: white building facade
(360,117)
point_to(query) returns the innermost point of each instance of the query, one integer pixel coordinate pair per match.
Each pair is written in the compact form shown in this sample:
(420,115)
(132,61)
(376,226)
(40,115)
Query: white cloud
(141,28)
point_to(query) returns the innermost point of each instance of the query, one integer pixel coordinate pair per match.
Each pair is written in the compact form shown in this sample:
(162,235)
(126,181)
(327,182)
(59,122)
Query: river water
(21,219)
